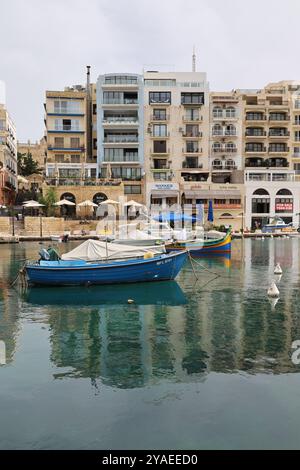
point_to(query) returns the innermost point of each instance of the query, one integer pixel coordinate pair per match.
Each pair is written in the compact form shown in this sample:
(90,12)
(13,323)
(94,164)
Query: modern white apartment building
(120,132)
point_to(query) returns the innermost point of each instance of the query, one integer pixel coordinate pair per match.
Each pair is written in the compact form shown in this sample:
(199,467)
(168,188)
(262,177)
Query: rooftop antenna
(194,60)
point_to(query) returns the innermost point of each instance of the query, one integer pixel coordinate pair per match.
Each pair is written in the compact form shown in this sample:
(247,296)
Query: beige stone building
(36,149)
(8,158)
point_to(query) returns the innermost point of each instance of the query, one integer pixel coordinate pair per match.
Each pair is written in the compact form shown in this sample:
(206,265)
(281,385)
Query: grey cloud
(46,45)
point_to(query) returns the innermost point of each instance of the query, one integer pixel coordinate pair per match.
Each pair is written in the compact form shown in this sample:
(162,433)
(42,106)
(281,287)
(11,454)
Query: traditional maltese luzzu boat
(214,243)
(95,262)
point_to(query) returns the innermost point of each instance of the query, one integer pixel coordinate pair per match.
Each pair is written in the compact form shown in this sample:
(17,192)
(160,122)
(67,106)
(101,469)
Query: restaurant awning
(216,193)
(161,194)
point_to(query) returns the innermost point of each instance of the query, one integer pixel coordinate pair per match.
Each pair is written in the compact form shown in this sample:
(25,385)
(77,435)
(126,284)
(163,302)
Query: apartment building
(271,125)
(120,133)
(8,158)
(176,129)
(66,130)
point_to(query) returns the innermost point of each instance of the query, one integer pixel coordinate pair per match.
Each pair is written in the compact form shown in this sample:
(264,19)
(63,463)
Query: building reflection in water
(174,331)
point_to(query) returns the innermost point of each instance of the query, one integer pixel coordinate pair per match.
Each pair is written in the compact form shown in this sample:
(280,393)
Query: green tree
(26,165)
(49,199)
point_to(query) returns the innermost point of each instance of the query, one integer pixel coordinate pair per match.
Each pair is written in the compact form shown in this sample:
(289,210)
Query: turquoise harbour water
(188,365)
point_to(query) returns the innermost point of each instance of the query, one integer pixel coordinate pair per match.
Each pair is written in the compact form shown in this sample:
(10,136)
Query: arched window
(216,146)
(230,112)
(217,129)
(230,147)
(261,192)
(229,163)
(217,163)
(284,192)
(226,215)
(99,197)
(69,197)
(230,130)
(217,111)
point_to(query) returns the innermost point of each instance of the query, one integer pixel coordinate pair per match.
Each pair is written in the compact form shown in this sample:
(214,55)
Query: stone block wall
(5,227)
(50,226)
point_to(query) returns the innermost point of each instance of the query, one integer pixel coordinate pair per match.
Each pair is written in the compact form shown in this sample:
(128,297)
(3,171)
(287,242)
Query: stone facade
(8,158)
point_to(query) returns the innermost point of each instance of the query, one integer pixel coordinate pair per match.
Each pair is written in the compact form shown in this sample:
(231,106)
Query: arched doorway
(284,205)
(99,197)
(68,211)
(260,208)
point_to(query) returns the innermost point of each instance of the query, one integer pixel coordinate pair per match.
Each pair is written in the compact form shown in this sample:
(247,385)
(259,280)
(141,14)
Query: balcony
(255,117)
(224,116)
(221,133)
(159,117)
(120,139)
(268,163)
(255,149)
(279,118)
(82,181)
(224,149)
(67,128)
(251,133)
(192,118)
(66,149)
(278,149)
(225,167)
(192,150)
(117,101)
(280,133)
(129,157)
(192,135)
(120,121)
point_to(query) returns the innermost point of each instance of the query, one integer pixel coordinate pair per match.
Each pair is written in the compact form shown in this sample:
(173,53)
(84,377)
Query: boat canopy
(94,250)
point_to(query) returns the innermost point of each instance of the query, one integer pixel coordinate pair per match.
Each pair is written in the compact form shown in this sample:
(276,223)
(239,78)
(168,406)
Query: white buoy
(262,238)
(130,301)
(273,291)
(277,269)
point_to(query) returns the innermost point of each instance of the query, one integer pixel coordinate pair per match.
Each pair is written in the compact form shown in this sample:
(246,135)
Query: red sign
(284,207)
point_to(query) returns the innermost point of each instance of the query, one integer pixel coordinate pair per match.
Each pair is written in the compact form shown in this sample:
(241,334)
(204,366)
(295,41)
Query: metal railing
(121,139)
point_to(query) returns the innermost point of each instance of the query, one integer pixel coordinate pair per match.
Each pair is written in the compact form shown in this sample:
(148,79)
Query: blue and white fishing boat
(95,262)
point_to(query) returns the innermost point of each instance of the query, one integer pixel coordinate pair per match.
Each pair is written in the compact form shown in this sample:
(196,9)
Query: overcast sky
(47,44)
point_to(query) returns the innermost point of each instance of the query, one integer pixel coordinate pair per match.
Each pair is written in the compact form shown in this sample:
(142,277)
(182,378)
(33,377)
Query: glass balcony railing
(121,139)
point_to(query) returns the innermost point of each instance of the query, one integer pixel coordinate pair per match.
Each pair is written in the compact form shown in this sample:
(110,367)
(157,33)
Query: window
(59,158)
(59,142)
(255,117)
(192,114)
(160,97)
(121,155)
(2,125)
(255,131)
(159,115)
(132,189)
(220,201)
(112,97)
(69,172)
(160,164)
(192,147)
(230,130)
(297,119)
(217,112)
(297,136)
(235,201)
(75,142)
(159,130)
(192,130)
(260,205)
(192,98)
(75,158)
(277,148)
(126,173)
(94,109)
(216,147)
(160,146)
(217,129)
(67,124)
(230,112)
(261,192)
(121,80)
(230,147)
(95,144)
(217,163)
(255,147)
(297,168)
(66,107)
(278,116)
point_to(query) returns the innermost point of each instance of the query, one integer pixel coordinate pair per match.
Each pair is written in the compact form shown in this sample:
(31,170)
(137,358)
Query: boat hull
(207,247)
(70,273)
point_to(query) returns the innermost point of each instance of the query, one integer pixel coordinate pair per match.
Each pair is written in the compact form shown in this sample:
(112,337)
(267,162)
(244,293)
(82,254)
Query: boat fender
(273,290)
(148,255)
(277,269)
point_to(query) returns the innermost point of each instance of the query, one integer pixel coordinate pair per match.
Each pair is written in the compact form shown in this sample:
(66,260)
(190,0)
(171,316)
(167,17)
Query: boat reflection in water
(160,293)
